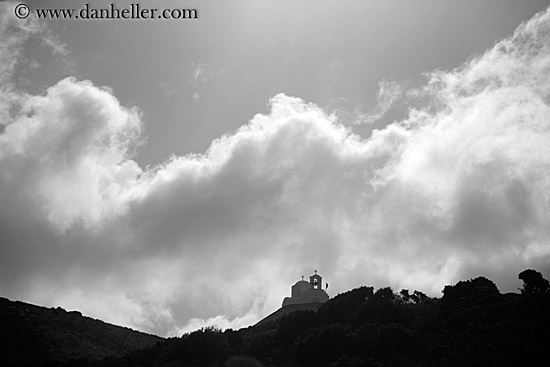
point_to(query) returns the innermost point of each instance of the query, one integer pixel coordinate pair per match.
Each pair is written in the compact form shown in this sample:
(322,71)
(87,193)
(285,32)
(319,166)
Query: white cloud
(68,149)
(458,189)
(388,93)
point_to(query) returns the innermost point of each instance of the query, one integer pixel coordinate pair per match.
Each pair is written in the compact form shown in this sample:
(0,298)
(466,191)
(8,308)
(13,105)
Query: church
(307,292)
(305,296)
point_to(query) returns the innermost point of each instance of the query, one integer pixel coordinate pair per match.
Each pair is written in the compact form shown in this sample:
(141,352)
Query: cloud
(67,152)
(15,34)
(199,75)
(457,189)
(388,93)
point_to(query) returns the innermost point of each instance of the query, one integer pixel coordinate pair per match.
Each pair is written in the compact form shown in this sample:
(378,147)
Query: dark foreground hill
(31,335)
(473,324)
(275,317)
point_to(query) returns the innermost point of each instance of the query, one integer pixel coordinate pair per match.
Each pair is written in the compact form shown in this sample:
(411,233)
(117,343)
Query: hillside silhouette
(472,324)
(32,335)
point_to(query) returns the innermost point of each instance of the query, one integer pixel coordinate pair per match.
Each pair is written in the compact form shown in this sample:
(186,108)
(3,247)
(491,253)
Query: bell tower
(316,281)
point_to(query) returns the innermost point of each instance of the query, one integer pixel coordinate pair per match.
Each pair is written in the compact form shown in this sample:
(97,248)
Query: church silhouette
(305,296)
(304,292)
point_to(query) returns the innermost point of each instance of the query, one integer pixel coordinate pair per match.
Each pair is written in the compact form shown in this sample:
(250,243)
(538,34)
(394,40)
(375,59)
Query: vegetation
(38,336)
(473,324)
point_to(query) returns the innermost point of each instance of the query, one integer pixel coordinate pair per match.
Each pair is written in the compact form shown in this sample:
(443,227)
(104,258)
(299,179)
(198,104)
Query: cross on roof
(315,271)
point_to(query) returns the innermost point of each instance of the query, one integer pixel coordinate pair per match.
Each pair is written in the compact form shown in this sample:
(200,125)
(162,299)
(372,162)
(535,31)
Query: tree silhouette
(469,290)
(533,282)
(405,296)
(473,324)
(419,297)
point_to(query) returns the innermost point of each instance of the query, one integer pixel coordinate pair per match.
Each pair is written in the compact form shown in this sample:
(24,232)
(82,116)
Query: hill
(473,324)
(32,335)
(284,311)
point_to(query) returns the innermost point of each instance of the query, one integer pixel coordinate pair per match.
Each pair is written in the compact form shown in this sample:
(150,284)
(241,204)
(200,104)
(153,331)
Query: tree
(383,297)
(533,282)
(469,290)
(204,347)
(343,307)
(324,345)
(419,297)
(405,296)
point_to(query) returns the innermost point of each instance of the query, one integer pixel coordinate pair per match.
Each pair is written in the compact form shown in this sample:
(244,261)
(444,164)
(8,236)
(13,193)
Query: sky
(171,174)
